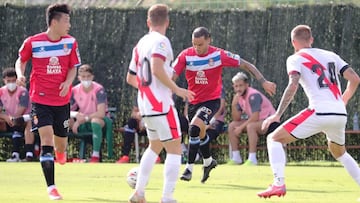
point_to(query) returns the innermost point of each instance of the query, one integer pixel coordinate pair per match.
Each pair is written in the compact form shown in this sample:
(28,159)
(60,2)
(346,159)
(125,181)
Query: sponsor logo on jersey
(201,78)
(54,66)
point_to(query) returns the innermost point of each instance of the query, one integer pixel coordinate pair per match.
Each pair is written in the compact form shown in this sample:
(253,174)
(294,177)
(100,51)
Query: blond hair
(240,76)
(301,33)
(158,14)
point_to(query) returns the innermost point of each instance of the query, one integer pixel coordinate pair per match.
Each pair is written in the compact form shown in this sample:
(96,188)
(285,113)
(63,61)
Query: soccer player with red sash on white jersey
(203,66)
(54,56)
(150,73)
(14,103)
(317,71)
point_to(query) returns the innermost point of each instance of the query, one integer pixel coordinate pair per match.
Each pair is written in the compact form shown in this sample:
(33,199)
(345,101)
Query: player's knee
(194,132)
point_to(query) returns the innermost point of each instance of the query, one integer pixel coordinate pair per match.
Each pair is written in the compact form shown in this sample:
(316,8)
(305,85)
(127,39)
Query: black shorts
(56,116)
(205,110)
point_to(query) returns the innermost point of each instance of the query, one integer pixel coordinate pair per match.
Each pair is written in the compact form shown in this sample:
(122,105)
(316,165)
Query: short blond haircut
(158,14)
(301,33)
(240,76)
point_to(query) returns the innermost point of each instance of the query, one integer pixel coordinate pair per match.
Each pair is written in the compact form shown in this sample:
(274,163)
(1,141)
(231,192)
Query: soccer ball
(131,177)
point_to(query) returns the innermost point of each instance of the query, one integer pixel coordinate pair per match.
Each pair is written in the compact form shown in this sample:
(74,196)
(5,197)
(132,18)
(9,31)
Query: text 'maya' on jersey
(203,72)
(154,98)
(51,62)
(319,76)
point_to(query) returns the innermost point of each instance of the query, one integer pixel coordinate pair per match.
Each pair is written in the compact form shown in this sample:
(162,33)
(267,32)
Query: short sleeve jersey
(87,102)
(154,98)
(203,72)
(319,76)
(11,102)
(51,62)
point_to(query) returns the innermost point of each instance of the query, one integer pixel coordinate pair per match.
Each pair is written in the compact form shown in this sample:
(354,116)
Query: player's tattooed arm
(289,93)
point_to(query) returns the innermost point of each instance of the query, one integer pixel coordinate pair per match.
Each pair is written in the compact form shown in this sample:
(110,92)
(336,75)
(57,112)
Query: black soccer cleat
(207,170)
(187,175)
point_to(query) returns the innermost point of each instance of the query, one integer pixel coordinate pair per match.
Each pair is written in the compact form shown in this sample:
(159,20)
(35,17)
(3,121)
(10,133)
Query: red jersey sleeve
(75,56)
(25,51)
(229,59)
(180,63)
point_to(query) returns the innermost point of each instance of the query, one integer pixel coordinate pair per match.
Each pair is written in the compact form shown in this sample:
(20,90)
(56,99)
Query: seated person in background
(90,99)
(134,125)
(257,107)
(14,103)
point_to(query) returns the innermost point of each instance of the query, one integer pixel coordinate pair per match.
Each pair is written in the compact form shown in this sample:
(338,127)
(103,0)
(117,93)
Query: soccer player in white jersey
(150,72)
(317,71)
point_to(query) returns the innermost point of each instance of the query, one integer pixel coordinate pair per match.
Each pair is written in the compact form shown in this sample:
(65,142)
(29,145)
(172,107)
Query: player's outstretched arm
(268,86)
(353,82)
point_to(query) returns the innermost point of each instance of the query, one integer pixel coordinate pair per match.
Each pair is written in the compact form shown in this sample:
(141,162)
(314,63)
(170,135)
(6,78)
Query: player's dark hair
(55,11)
(9,72)
(86,68)
(201,32)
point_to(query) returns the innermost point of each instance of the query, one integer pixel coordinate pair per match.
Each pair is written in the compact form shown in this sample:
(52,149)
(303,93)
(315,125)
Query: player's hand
(64,89)
(185,94)
(269,87)
(273,118)
(21,81)
(9,121)
(75,127)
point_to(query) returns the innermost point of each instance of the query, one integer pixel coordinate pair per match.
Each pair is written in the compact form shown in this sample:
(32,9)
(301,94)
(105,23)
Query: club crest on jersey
(54,66)
(211,62)
(66,48)
(201,78)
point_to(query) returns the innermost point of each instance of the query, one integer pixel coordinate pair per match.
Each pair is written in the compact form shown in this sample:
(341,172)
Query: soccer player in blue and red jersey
(203,64)
(54,56)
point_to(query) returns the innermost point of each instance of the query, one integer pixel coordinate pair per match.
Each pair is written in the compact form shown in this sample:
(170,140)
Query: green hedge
(107,36)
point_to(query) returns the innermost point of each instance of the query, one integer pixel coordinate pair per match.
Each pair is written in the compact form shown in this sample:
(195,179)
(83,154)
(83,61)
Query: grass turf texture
(308,182)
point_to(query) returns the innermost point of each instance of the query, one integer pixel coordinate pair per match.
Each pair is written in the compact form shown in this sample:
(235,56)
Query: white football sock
(190,167)
(277,161)
(147,163)
(351,166)
(171,172)
(236,157)
(207,161)
(252,157)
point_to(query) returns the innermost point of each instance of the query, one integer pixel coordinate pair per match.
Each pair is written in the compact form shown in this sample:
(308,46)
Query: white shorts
(163,127)
(308,122)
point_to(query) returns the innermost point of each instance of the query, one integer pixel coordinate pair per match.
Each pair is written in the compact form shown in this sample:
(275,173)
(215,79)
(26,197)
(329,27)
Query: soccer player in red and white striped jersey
(54,56)
(203,66)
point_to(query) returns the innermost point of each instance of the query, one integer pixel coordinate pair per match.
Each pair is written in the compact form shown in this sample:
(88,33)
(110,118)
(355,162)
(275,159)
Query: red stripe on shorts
(172,124)
(293,123)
